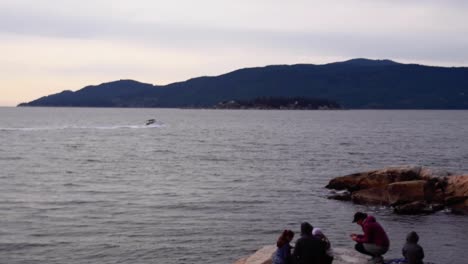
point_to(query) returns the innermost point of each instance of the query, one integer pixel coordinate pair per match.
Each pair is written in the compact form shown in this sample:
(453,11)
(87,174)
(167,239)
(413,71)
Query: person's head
(306,228)
(288,235)
(317,232)
(412,237)
(285,237)
(359,217)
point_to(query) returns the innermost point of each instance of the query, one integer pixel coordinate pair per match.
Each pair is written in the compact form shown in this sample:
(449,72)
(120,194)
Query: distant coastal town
(279,103)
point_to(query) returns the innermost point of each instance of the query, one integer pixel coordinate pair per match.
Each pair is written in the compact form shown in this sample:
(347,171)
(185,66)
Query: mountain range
(353,84)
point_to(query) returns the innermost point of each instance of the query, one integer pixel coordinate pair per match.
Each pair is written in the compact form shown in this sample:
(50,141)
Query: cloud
(438,45)
(66,44)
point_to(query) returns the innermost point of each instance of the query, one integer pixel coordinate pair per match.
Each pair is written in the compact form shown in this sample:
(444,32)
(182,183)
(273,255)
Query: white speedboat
(150,121)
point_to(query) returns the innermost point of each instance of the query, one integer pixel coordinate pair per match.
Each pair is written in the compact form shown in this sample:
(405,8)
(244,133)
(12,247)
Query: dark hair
(359,216)
(283,238)
(306,228)
(412,237)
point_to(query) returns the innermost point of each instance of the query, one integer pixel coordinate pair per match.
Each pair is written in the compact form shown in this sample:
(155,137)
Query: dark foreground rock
(341,256)
(408,189)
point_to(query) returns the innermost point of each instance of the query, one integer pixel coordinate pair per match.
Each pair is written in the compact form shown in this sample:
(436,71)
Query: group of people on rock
(313,247)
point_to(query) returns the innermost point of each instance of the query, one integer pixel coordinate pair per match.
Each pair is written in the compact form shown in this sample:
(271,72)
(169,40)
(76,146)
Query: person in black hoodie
(413,252)
(308,249)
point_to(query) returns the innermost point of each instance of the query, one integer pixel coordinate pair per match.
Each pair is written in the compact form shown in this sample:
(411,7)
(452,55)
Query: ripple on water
(210,186)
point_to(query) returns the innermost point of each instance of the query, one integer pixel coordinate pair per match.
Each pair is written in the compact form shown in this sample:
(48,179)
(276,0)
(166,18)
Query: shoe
(378,260)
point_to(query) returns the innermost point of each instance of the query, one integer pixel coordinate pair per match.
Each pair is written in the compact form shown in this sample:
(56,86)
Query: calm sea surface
(85,185)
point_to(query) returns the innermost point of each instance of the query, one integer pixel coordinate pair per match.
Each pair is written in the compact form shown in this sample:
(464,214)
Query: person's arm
(296,252)
(327,243)
(288,257)
(403,251)
(365,237)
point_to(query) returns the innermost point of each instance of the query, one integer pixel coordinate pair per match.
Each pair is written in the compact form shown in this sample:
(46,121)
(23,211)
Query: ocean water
(89,185)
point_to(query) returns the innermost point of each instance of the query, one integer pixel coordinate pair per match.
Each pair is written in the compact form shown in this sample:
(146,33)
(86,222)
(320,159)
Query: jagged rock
(417,207)
(374,179)
(348,256)
(410,189)
(456,194)
(460,208)
(341,196)
(431,173)
(341,256)
(241,261)
(407,191)
(261,256)
(437,197)
(377,195)
(457,187)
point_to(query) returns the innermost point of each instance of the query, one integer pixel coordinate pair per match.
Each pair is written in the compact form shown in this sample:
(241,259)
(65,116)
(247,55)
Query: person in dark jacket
(282,254)
(317,232)
(413,252)
(374,242)
(309,249)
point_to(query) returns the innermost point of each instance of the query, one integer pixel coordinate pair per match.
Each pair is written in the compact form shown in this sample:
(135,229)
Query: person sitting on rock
(374,242)
(413,252)
(282,254)
(309,249)
(317,232)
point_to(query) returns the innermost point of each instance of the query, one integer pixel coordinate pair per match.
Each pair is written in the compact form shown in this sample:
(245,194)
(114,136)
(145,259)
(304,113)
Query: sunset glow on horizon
(54,45)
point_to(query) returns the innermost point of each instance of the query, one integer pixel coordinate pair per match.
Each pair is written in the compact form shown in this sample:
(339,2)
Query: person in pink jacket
(374,242)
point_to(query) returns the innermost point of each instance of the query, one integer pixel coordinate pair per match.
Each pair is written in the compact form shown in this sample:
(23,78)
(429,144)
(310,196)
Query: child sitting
(413,252)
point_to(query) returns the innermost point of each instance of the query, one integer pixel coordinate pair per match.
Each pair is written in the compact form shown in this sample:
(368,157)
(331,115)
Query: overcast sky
(47,46)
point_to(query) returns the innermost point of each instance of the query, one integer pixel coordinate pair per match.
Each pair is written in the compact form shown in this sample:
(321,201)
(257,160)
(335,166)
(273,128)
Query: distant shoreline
(353,84)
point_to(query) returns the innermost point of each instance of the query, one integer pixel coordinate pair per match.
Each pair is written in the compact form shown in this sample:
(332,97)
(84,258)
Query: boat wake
(73,127)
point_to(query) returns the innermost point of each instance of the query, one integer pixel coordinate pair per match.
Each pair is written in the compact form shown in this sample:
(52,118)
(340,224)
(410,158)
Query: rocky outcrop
(457,194)
(418,207)
(376,178)
(261,256)
(457,187)
(375,195)
(340,195)
(408,189)
(341,256)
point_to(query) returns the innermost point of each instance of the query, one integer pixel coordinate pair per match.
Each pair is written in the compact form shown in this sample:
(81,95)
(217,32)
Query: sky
(47,46)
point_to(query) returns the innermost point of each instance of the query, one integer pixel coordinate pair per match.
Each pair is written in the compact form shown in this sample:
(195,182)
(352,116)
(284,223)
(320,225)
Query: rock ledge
(408,189)
(341,256)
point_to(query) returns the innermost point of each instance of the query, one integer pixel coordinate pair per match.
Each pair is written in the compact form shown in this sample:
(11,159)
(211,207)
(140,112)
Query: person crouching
(374,242)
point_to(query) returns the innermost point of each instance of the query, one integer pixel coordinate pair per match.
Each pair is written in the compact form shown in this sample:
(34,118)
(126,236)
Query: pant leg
(375,250)
(360,248)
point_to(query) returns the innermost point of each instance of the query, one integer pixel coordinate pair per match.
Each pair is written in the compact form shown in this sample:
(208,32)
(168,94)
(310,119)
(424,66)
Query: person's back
(282,254)
(413,252)
(308,249)
(328,257)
